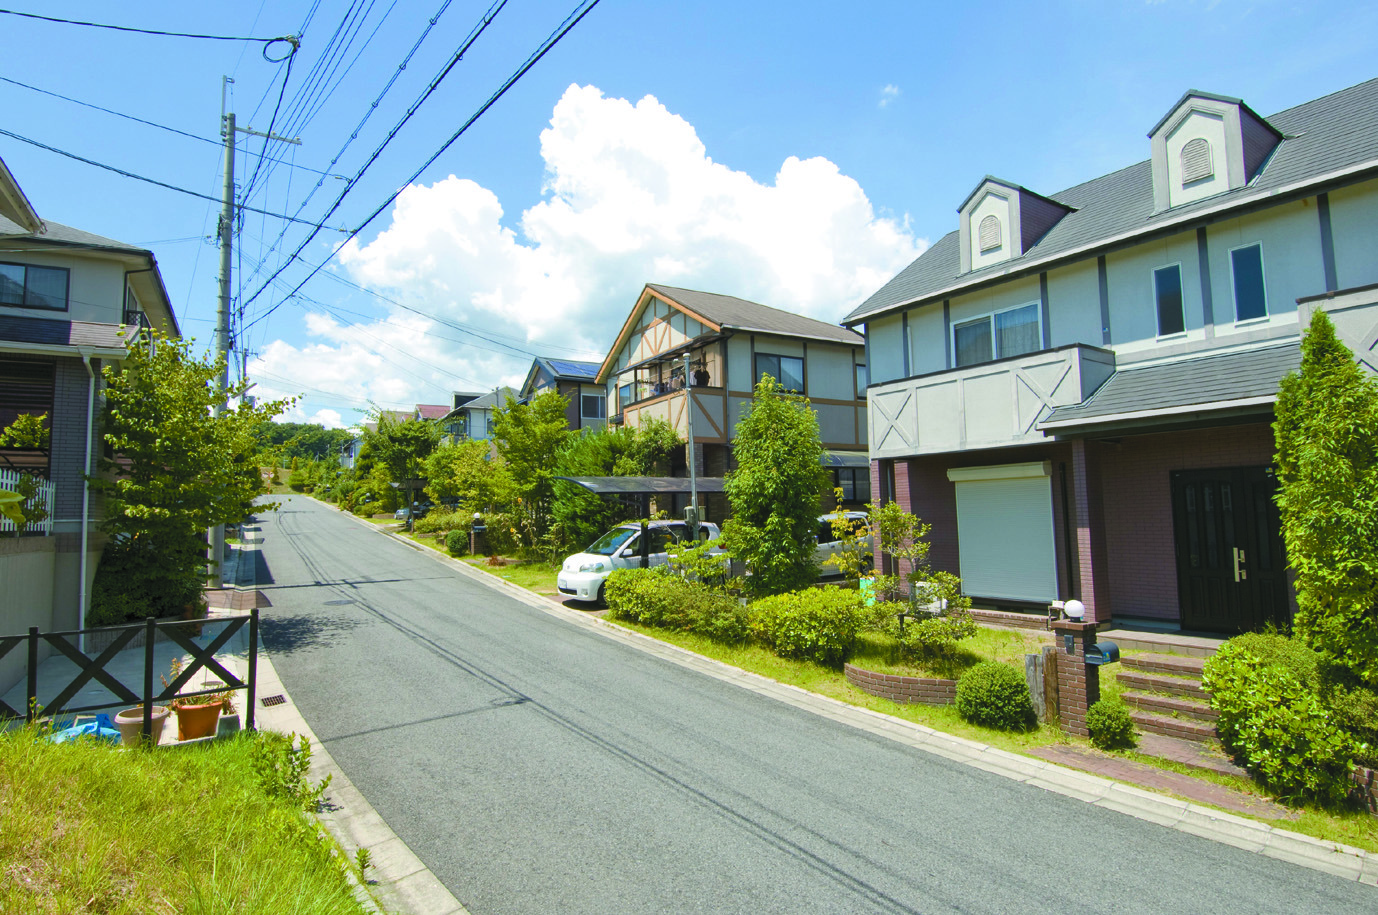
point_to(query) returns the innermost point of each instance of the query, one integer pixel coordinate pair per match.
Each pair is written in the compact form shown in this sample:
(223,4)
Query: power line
(290,39)
(468,42)
(574,18)
(139,120)
(268,134)
(368,113)
(154,181)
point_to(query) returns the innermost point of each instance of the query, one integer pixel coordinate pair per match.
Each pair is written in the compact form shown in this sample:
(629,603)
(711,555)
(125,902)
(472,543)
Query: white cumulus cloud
(631,196)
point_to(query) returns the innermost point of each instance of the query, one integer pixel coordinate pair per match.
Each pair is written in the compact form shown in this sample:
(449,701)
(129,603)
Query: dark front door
(1231,576)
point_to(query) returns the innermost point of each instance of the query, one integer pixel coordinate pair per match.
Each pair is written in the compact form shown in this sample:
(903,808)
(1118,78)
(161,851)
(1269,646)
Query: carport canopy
(644,486)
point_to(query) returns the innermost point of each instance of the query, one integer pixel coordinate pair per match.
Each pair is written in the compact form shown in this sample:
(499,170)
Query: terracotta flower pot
(131,724)
(195,721)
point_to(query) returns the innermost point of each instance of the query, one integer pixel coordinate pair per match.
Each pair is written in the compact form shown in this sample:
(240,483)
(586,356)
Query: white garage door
(1005,531)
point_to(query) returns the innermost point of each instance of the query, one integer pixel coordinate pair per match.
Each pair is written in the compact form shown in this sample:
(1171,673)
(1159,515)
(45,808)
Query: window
(624,395)
(593,406)
(788,370)
(855,483)
(1167,292)
(1246,264)
(33,287)
(861,382)
(997,336)
(26,388)
(1196,161)
(989,233)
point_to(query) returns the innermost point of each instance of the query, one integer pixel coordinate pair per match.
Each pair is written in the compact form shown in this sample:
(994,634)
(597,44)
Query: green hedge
(810,625)
(1274,722)
(1110,725)
(654,597)
(996,695)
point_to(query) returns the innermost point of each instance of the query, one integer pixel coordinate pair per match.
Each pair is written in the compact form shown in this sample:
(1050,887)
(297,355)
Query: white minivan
(582,576)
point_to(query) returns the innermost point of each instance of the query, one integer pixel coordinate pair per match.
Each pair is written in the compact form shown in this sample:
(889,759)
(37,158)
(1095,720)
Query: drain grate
(270,701)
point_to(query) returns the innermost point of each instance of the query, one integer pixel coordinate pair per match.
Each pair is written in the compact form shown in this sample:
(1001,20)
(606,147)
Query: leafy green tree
(465,471)
(937,608)
(1326,430)
(28,432)
(529,437)
(175,470)
(775,490)
(402,448)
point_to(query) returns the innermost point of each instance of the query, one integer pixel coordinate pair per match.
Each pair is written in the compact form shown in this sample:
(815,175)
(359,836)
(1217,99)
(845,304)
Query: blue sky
(796,154)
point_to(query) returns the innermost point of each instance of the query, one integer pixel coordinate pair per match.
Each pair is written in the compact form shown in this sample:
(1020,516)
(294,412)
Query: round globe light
(1075,609)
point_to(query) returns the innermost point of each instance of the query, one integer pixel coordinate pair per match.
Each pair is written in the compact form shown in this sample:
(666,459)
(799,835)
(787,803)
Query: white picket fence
(9,479)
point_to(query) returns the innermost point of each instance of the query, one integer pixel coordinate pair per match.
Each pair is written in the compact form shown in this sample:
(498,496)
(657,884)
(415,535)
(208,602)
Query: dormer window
(1196,161)
(990,233)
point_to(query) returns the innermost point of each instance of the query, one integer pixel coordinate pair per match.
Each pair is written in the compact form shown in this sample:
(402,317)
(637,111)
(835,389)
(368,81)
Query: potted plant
(198,716)
(131,724)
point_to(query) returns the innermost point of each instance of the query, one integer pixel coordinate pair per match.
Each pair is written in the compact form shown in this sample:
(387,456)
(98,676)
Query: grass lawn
(91,827)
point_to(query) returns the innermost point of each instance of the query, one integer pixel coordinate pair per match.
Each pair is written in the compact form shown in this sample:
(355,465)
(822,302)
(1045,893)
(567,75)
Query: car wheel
(602,599)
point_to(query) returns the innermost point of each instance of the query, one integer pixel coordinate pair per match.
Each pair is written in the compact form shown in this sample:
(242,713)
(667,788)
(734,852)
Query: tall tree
(1326,431)
(775,490)
(529,437)
(402,447)
(175,470)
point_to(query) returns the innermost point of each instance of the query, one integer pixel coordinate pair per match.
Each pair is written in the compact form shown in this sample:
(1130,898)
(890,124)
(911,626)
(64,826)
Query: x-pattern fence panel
(95,668)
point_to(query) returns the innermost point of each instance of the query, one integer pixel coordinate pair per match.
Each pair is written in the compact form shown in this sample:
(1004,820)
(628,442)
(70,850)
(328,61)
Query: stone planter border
(906,690)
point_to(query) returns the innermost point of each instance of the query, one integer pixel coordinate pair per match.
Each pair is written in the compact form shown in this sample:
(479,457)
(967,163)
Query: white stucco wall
(830,371)
(1133,304)
(95,290)
(1074,304)
(1354,227)
(927,350)
(1210,127)
(1291,239)
(997,205)
(887,347)
(997,298)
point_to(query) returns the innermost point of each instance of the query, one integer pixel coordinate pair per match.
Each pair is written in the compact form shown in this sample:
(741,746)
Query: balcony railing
(989,405)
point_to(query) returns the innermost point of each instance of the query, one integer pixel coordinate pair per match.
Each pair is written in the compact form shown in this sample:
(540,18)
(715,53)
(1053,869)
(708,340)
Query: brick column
(1089,579)
(1078,683)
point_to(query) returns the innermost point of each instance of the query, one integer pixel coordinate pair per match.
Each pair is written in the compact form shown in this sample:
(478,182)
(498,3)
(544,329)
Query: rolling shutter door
(1005,531)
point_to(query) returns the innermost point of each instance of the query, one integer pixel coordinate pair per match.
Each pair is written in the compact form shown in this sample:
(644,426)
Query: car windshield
(610,542)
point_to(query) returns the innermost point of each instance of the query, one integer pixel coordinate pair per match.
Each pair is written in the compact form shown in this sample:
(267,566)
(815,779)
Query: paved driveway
(537,766)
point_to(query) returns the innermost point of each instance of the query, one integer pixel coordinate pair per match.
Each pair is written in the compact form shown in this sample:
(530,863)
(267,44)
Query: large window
(861,382)
(1167,292)
(26,286)
(593,406)
(788,370)
(855,483)
(1246,264)
(1011,332)
(26,388)
(625,395)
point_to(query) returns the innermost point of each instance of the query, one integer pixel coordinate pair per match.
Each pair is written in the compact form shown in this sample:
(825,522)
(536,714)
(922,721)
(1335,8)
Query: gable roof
(1333,138)
(14,206)
(432,410)
(559,370)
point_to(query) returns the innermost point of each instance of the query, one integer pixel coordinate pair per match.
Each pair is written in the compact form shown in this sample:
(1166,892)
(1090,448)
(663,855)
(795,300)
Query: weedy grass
(91,827)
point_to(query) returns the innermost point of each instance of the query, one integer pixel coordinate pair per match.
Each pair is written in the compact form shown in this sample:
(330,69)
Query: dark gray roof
(58,234)
(49,332)
(1184,384)
(1325,135)
(738,314)
(636,486)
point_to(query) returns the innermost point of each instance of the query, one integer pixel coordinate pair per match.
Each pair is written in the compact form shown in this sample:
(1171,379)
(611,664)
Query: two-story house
(1076,389)
(471,417)
(65,298)
(577,382)
(730,343)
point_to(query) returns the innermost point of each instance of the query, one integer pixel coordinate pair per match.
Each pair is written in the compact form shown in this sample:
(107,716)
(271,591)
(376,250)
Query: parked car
(828,544)
(417,510)
(583,575)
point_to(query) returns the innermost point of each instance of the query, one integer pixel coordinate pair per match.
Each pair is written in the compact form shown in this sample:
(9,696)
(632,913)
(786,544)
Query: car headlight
(592,567)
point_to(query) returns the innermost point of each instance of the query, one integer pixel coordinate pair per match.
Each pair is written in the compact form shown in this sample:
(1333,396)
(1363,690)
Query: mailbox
(1103,653)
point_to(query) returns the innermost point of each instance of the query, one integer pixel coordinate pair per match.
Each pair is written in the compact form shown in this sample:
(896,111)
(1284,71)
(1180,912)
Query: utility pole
(693,474)
(228,129)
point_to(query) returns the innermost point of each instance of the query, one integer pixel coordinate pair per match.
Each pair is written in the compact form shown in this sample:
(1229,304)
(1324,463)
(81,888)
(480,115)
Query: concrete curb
(401,883)
(1335,858)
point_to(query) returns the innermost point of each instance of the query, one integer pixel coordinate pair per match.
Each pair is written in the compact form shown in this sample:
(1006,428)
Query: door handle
(1240,574)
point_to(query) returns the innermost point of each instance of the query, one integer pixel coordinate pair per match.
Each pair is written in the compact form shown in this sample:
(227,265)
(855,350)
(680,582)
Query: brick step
(1170,705)
(1184,728)
(1207,756)
(1165,664)
(1161,683)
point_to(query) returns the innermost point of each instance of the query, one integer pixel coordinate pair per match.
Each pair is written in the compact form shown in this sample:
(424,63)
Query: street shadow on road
(262,574)
(302,633)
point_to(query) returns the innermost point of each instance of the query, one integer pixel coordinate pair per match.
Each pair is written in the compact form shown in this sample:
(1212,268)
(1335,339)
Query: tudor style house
(69,302)
(1076,389)
(730,343)
(587,402)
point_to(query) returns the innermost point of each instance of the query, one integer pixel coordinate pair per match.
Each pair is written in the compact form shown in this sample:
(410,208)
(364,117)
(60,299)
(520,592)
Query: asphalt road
(538,767)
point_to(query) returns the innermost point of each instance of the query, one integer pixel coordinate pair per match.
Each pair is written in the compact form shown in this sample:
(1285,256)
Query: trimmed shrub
(811,625)
(1275,724)
(1276,650)
(1353,706)
(653,597)
(457,542)
(296,481)
(1110,725)
(439,521)
(995,695)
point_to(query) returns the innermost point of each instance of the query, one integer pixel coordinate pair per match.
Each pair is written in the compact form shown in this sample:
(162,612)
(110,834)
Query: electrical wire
(139,120)
(268,138)
(290,39)
(171,187)
(468,42)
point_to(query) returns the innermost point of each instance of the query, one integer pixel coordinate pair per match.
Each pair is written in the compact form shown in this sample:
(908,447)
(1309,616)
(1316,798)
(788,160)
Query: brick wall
(906,690)
(1141,558)
(1078,686)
